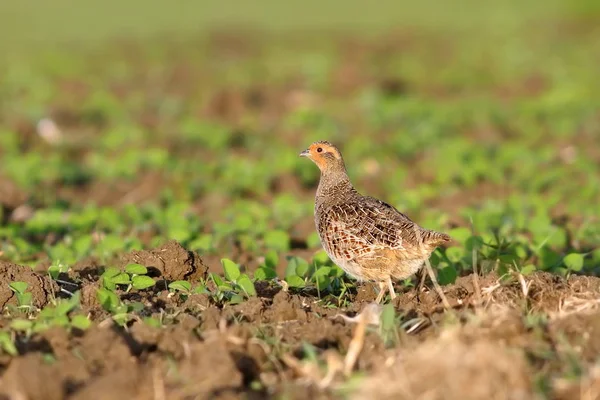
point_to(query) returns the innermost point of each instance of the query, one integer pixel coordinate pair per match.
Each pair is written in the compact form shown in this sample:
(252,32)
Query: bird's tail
(435,239)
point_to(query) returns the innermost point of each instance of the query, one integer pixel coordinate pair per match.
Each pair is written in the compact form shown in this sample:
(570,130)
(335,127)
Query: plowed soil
(255,349)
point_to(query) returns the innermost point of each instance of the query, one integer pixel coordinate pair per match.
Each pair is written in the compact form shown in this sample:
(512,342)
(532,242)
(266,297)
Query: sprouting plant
(267,270)
(58,313)
(139,279)
(24,298)
(235,286)
(321,274)
(57,268)
(134,277)
(7,343)
(121,312)
(297,272)
(184,288)
(574,262)
(180,286)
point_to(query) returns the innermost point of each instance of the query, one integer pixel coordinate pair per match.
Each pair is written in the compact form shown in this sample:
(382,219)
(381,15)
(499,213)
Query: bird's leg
(391,287)
(382,289)
(421,285)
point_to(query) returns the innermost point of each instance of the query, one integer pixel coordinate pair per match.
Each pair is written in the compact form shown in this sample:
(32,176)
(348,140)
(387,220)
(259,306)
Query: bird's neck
(334,185)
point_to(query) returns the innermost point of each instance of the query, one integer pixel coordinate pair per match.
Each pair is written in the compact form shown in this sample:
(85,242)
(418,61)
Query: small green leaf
(321,258)
(447,275)
(56,269)
(295,281)
(574,261)
(121,279)
(231,269)
(121,319)
(64,306)
(140,282)
(7,345)
(528,269)
(474,242)
(136,269)
(18,286)
(236,299)
(460,234)
(264,274)
(278,240)
(313,241)
(297,266)
(336,272)
(455,254)
(21,324)
(24,299)
(246,284)
(200,289)
(110,272)
(60,320)
(153,322)
(225,288)
(181,286)
(217,279)
(321,277)
(271,259)
(107,299)
(80,322)
(135,307)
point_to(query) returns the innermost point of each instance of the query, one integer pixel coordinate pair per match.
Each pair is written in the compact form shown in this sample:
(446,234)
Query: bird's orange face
(322,153)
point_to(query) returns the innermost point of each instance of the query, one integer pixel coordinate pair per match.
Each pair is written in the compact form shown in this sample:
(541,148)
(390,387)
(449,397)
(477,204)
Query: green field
(156,223)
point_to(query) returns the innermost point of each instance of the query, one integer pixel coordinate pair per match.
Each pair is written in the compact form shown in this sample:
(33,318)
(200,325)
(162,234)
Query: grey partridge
(366,237)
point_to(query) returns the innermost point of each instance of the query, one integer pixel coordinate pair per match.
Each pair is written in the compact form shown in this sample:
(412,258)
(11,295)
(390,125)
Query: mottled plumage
(366,237)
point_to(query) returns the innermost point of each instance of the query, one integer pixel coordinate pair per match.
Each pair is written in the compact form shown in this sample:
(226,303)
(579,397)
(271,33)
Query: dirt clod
(171,260)
(40,286)
(29,377)
(447,368)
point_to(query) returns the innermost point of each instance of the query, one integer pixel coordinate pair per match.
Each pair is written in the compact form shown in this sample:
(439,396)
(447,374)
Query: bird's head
(325,155)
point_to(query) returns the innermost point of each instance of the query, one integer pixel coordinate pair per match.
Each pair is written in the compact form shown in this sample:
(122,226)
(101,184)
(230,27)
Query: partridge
(366,237)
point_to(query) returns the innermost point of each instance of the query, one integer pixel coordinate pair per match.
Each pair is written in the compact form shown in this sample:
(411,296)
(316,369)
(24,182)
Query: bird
(366,237)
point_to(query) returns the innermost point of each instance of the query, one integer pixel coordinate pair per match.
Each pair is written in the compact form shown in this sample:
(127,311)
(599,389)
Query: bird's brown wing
(370,228)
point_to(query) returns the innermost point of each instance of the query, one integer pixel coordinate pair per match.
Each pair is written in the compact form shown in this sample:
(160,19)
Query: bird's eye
(319,149)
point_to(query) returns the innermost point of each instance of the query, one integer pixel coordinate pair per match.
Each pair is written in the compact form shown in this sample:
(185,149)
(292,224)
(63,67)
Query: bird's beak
(305,153)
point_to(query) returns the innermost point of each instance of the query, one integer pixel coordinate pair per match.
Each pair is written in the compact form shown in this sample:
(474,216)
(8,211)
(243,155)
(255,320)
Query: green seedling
(139,280)
(267,270)
(56,314)
(111,277)
(57,268)
(134,277)
(574,262)
(180,286)
(297,272)
(184,288)
(121,312)
(447,273)
(24,298)
(235,286)
(7,344)
(277,240)
(321,274)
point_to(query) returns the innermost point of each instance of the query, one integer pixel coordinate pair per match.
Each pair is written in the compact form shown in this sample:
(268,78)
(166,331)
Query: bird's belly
(407,268)
(351,268)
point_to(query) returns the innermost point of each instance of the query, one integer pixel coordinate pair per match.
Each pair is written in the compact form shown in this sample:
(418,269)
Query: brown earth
(255,349)
(40,286)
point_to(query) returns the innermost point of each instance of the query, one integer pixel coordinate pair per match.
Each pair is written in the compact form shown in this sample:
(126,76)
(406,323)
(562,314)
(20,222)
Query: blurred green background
(26,24)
